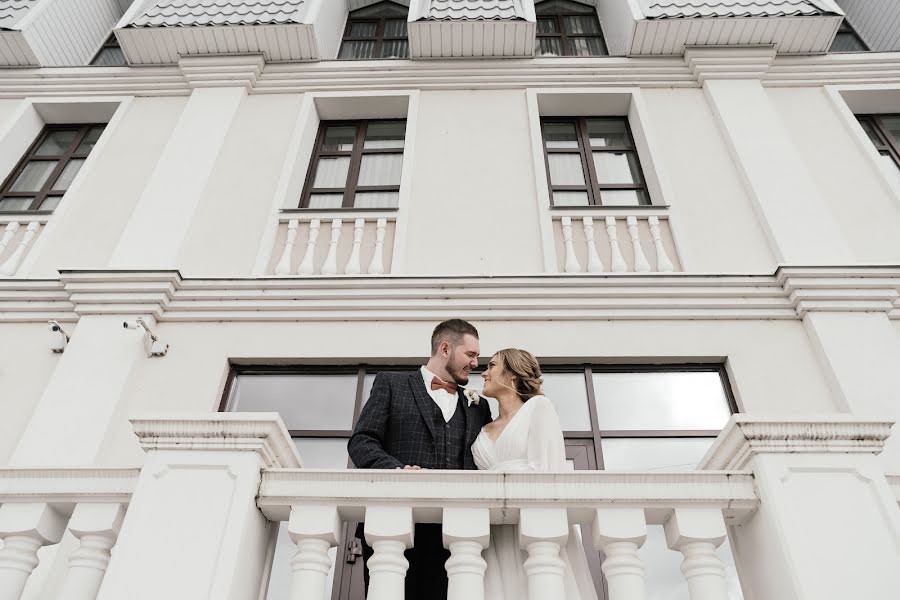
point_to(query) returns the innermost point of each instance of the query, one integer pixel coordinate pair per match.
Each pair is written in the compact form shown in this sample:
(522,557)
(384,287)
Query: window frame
(888,146)
(592,187)
(564,37)
(63,160)
(356,155)
(379,38)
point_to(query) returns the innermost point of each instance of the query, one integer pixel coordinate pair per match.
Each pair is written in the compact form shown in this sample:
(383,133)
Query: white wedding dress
(531,441)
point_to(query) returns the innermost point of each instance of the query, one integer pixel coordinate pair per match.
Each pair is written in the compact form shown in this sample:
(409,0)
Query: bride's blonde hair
(524,368)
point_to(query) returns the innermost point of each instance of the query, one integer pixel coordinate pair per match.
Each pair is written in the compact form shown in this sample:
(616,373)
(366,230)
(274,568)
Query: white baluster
(353,267)
(13,262)
(640,261)
(467,532)
(663,264)
(96,526)
(307,265)
(389,531)
(543,532)
(618,533)
(24,528)
(284,264)
(8,232)
(330,265)
(315,529)
(594,264)
(696,533)
(572,265)
(376,266)
(617,262)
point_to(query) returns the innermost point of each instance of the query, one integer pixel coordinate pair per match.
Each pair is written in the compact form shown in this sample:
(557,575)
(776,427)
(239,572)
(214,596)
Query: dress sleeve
(546,449)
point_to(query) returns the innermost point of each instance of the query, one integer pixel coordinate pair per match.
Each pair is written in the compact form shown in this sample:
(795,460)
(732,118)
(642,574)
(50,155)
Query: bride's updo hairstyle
(526,371)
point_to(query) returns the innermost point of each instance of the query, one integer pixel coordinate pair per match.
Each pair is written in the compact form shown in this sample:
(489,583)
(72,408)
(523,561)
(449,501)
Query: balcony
(18,234)
(333,243)
(197,518)
(668,26)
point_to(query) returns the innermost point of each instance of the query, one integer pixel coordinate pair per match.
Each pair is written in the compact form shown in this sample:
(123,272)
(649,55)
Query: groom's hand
(411,468)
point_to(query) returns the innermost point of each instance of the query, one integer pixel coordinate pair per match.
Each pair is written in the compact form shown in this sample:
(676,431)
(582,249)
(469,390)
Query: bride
(526,436)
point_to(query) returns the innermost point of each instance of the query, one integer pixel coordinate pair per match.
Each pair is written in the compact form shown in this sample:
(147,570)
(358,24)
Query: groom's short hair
(453,331)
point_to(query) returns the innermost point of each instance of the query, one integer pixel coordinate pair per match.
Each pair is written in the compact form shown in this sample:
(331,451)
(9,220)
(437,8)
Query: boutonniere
(472,396)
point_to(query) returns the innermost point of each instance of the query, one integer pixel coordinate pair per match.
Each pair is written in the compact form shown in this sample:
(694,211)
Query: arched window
(566,28)
(377,31)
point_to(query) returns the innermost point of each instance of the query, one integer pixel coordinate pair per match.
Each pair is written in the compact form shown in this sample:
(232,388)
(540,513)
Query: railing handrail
(73,485)
(579,492)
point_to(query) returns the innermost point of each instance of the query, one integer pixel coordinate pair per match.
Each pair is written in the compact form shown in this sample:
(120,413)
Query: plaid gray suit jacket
(397,426)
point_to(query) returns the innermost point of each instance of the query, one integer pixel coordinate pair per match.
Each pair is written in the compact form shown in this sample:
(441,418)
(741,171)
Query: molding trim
(241,70)
(747,436)
(263,433)
(580,492)
(741,62)
(789,294)
(68,486)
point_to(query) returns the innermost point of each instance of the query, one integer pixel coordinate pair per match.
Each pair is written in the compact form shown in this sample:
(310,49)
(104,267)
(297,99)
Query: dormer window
(566,28)
(377,31)
(847,40)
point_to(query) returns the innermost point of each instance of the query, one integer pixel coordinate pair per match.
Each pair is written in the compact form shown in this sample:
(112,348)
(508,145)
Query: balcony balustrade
(613,241)
(355,243)
(18,233)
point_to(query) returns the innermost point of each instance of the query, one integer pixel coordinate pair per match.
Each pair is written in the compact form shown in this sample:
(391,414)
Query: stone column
(543,532)
(96,526)
(618,533)
(467,532)
(389,531)
(24,529)
(315,530)
(828,524)
(696,533)
(193,529)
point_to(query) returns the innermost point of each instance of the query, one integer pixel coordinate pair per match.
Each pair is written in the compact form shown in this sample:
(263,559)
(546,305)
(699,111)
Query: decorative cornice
(788,294)
(120,292)
(747,436)
(720,62)
(241,70)
(67,486)
(263,433)
(505,493)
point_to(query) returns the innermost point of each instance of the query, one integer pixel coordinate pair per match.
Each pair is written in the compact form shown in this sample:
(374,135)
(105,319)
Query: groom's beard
(459,374)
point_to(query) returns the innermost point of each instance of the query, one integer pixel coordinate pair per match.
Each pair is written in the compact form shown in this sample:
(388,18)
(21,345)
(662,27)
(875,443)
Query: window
(847,40)
(631,418)
(357,164)
(592,161)
(110,54)
(566,28)
(884,131)
(377,31)
(42,177)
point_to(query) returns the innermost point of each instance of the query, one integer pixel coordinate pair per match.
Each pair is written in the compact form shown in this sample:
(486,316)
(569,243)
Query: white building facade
(687,210)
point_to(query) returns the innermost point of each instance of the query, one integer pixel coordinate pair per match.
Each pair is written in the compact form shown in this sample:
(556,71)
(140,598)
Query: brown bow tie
(437,384)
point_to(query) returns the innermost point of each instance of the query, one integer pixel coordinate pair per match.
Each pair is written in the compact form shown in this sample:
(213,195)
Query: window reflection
(653,454)
(318,402)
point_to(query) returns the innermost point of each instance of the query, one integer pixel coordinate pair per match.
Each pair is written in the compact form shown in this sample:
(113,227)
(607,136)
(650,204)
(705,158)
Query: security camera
(60,345)
(151,343)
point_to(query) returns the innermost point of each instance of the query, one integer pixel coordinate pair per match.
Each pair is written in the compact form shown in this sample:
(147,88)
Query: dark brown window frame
(379,38)
(592,186)
(47,190)
(111,42)
(356,155)
(564,37)
(887,146)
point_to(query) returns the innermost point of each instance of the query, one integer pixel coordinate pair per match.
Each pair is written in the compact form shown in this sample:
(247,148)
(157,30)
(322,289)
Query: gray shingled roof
(12,11)
(187,13)
(669,9)
(472,10)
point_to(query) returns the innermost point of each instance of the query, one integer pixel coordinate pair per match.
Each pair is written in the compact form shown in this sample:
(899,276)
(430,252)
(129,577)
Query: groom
(422,420)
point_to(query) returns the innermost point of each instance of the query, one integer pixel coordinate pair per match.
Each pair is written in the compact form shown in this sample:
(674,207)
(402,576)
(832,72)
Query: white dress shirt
(445,400)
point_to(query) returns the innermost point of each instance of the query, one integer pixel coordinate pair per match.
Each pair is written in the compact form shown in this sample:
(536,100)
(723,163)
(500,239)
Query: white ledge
(263,433)
(68,486)
(580,492)
(746,436)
